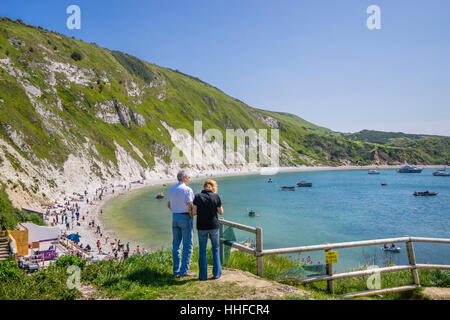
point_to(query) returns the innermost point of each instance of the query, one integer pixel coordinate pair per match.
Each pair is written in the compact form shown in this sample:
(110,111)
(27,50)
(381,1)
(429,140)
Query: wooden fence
(259,253)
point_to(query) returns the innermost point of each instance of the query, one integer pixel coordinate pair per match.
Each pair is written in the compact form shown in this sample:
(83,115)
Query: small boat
(383,184)
(269,181)
(374,172)
(425,193)
(251,213)
(304,184)
(288,188)
(391,248)
(409,169)
(441,173)
(159,196)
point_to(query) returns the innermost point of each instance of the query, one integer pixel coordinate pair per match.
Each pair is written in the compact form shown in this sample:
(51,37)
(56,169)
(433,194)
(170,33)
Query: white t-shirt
(179,196)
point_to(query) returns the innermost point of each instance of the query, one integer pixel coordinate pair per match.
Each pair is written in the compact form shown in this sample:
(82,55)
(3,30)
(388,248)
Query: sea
(340,206)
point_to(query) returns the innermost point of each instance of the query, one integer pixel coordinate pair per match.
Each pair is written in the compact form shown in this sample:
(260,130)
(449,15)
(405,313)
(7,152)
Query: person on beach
(180,198)
(207,205)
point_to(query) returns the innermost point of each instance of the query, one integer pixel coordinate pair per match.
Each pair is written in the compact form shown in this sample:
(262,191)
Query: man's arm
(190,210)
(194,211)
(220,210)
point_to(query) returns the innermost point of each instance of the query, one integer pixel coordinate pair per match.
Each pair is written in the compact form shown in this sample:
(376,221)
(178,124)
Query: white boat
(374,172)
(441,173)
(409,169)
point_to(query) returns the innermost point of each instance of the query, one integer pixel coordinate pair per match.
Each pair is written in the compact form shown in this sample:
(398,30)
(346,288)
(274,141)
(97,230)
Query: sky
(316,59)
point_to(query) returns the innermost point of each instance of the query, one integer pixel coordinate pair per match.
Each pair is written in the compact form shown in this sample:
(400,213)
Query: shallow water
(341,206)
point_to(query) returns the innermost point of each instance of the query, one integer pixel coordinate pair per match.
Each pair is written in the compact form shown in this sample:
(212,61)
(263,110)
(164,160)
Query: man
(180,203)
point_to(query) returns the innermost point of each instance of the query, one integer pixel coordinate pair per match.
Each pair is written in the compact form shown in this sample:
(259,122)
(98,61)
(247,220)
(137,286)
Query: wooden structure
(259,253)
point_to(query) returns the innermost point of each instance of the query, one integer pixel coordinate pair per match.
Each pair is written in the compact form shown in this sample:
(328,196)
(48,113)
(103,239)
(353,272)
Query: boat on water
(409,169)
(269,181)
(425,194)
(374,172)
(304,184)
(391,248)
(159,196)
(383,184)
(288,188)
(441,173)
(252,213)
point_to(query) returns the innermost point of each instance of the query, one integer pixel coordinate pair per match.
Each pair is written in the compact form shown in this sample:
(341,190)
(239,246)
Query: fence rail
(259,253)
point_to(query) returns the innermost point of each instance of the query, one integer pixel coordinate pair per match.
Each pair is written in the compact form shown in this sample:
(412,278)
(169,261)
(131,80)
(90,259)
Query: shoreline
(89,236)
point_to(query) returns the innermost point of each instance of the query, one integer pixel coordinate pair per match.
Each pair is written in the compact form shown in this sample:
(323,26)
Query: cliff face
(74,115)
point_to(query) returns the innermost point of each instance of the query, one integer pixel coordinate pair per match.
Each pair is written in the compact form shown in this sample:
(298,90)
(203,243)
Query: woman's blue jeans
(203,235)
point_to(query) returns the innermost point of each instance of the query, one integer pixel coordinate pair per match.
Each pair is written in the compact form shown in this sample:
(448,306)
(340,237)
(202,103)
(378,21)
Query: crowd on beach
(75,214)
(78,212)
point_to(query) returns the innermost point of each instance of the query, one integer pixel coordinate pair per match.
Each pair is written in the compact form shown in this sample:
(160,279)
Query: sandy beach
(92,211)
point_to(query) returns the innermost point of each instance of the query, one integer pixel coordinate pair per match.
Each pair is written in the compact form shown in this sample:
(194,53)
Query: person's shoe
(188,274)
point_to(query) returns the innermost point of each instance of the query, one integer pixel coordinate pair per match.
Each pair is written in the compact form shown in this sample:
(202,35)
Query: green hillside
(61,96)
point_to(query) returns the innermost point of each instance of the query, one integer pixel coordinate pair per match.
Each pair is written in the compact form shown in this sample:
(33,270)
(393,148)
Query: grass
(150,277)
(11,216)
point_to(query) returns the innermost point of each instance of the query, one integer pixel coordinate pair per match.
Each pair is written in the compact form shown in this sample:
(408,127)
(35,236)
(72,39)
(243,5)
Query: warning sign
(331,257)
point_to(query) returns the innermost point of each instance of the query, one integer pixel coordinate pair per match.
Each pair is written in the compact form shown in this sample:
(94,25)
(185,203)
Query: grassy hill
(60,96)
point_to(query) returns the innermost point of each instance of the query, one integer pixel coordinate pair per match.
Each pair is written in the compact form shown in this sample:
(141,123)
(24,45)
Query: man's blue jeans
(183,231)
(203,235)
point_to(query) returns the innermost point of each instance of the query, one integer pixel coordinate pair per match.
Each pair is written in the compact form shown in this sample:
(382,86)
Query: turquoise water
(341,206)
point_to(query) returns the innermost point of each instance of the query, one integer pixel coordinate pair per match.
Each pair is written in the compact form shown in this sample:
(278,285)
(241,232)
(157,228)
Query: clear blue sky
(316,59)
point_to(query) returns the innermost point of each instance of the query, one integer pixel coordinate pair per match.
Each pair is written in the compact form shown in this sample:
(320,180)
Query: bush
(76,56)
(9,270)
(66,261)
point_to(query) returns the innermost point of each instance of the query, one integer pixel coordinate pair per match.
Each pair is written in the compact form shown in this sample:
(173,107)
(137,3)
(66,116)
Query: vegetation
(150,277)
(76,56)
(11,216)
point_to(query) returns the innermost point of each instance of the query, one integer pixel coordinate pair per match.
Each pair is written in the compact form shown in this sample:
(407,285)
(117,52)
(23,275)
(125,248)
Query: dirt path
(252,287)
(258,288)
(437,293)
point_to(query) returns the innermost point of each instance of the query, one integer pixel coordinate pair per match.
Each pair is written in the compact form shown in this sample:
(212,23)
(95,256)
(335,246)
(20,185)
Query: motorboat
(269,181)
(391,248)
(441,173)
(252,213)
(374,172)
(383,184)
(409,169)
(288,188)
(304,184)
(425,194)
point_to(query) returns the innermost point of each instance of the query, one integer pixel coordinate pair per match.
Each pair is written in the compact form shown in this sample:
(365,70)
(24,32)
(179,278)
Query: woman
(207,205)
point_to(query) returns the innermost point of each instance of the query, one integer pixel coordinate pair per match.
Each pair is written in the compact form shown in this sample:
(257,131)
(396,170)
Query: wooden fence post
(412,262)
(221,246)
(259,249)
(330,283)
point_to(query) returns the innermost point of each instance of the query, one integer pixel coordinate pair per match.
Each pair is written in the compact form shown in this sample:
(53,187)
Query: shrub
(66,261)
(9,270)
(76,56)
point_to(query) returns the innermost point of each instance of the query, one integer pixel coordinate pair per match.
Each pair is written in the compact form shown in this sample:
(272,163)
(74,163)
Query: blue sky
(316,59)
